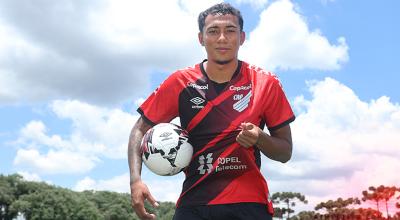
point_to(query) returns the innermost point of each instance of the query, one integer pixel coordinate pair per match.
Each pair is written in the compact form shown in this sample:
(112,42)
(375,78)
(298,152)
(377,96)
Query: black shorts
(237,211)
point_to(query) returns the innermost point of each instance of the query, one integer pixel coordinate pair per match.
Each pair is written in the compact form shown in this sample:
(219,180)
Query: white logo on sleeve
(205,163)
(243,102)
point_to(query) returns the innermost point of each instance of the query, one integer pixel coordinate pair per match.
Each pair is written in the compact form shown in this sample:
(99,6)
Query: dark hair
(220,9)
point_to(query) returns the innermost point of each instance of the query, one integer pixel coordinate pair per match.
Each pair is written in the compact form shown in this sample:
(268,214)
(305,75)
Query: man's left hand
(249,134)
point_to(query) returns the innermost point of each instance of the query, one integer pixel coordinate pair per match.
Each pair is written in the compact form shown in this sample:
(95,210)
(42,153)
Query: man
(223,103)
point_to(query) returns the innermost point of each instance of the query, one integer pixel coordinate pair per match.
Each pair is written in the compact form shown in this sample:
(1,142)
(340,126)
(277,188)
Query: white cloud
(54,162)
(282,39)
(95,133)
(105,52)
(257,4)
(93,52)
(30,176)
(116,184)
(34,135)
(162,188)
(12,47)
(342,144)
(86,184)
(121,22)
(99,130)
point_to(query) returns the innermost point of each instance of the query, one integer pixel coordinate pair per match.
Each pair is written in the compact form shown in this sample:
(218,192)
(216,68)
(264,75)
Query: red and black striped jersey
(221,171)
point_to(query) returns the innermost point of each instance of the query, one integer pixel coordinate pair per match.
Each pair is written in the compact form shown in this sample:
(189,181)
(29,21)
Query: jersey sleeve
(162,104)
(278,112)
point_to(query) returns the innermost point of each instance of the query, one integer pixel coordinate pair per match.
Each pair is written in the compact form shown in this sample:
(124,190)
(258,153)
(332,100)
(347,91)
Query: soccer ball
(166,150)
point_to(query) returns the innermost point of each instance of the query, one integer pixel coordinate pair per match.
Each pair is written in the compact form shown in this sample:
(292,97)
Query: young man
(223,103)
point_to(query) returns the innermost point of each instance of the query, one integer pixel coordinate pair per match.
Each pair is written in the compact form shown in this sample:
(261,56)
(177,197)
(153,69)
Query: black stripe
(283,124)
(148,121)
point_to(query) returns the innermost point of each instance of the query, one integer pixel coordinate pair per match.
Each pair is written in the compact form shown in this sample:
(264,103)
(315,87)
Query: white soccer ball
(166,150)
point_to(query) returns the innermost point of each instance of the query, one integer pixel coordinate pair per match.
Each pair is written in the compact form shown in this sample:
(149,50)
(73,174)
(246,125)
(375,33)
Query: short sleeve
(277,112)
(162,104)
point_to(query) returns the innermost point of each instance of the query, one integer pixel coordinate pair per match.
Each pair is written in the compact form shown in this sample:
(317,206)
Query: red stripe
(232,127)
(196,119)
(242,188)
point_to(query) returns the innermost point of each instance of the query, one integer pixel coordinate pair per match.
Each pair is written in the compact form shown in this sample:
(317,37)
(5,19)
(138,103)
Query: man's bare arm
(139,190)
(134,154)
(277,146)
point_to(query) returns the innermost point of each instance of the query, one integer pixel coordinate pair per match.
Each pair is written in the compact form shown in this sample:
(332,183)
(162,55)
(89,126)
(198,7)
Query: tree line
(341,209)
(39,200)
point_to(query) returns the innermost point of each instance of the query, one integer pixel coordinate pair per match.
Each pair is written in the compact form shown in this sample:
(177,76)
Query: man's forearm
(277,146)
(134,154)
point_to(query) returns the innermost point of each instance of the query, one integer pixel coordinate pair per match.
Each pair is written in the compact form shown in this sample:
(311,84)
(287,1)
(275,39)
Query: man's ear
(242,37)
(201,40)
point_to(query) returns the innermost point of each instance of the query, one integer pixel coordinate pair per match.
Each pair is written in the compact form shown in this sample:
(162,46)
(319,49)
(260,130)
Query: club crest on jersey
(242,101)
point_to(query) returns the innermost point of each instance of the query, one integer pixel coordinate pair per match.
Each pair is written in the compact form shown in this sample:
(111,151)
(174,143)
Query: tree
(339,207)
(397,215)
(381,193)
(55,203)
(362,213)
(7,197)
(111,205)
(303,215)
(288,199)
(11,188)
(386,193)
(39,200)
(279,212)
(373,196)
(165,211)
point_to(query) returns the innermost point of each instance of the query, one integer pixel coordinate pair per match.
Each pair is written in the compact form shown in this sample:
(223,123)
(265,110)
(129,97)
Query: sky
(72,74)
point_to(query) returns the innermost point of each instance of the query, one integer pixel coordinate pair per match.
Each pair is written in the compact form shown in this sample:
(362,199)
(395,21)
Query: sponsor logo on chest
(205,163)
(224,164)
(195,86)
(240,88)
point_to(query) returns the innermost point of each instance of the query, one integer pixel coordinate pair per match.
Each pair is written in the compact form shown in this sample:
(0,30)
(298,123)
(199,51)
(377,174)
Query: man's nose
(222,37)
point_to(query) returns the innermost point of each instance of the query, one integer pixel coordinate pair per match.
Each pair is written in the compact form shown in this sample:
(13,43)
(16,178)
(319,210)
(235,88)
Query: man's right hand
(139,193)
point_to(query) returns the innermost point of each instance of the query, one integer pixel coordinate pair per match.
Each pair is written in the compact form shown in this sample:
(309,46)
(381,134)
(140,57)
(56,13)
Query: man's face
(221,38)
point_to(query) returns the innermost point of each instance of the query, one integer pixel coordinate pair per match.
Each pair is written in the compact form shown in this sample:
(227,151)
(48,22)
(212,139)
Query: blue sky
(73,73)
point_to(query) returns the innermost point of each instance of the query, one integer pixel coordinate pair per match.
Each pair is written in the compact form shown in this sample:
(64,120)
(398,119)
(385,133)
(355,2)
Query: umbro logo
(197,100)
(165,134)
